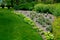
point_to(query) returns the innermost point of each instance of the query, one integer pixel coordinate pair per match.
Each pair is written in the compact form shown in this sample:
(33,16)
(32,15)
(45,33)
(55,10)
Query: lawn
(13,27)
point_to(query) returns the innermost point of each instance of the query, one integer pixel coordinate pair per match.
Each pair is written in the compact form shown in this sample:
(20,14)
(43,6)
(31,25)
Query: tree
(12,3)
(17,2)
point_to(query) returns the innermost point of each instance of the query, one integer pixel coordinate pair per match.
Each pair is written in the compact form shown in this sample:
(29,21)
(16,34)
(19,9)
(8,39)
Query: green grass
(13,27)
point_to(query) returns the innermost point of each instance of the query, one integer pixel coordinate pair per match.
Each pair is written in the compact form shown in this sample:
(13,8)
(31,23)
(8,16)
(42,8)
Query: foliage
(29,21)
(16,7)
(33,15)
(24,4)
(41,20)
(41,8)
(57,10)
(49,36)
(35,27)
(48,1)
(57,1)
(50,8)
(49,29)
(56,28)
(8,2)
(27,6)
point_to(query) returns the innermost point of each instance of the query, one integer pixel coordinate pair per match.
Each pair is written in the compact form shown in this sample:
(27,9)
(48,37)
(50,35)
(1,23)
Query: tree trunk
(12,3)
(17,2)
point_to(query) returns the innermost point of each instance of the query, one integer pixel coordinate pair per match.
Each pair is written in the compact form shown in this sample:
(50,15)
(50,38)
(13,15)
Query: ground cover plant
(13,27)
(43,19)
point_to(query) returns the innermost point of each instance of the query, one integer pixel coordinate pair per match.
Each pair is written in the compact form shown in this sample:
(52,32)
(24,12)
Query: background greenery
(50,8)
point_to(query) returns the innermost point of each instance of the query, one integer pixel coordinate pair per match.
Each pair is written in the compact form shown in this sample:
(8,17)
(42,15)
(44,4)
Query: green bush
(49,36)
(56,10)
(41,8)
(49,29)
(25,6)
(50,8)
(56,28)
(16,7)
(29,21)
(48,1)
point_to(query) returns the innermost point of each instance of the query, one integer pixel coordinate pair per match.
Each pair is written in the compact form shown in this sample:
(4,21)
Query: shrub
(35,27)
(50,8)
(56,10)
(42,33)
(48,1)
(33,15)
(41,8)
(49,36)
(56,28)
(41,19)
(22,15)
(49,28)
(40,30)
(47,21)
(16,7)
(25,6)
(2,5)
(29,21)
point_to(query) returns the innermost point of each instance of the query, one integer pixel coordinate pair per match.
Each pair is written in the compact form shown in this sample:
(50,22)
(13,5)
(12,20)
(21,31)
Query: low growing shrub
(29,21)
(49,29)
(25,6)
(56,10)
(50,8)
(48,1)
(41,8)
(49,36)
(56,28)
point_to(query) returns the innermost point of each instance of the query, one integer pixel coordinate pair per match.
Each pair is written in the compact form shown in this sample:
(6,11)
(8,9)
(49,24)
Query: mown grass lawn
(13,27)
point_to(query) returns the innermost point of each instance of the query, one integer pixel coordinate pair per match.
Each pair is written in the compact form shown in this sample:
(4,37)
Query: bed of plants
(25,6)
(48,35)
(43,19)
(16,27)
